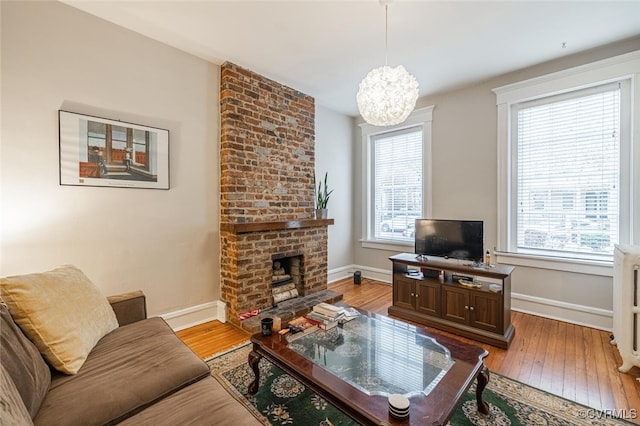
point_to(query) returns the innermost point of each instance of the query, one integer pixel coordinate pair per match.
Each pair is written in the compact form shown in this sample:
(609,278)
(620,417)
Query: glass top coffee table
(358,365)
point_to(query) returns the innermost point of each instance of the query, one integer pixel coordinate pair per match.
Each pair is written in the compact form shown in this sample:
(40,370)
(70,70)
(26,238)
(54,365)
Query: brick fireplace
(266,190)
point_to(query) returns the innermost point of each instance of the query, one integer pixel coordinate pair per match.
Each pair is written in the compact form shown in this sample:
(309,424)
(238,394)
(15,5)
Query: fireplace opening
(286,277)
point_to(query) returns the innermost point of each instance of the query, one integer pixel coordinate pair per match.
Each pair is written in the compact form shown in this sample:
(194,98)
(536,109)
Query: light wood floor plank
(518,346)
(593,386)
(528,351)
(613,375)
(212,337)
(550,373)
(568,361)
(540,352)
(581,360)
(602,371)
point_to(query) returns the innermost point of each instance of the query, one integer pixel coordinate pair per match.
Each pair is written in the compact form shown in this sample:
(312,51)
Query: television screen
(456,239)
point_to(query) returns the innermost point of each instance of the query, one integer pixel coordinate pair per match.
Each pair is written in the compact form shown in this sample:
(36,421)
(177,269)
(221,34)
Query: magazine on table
(350,313)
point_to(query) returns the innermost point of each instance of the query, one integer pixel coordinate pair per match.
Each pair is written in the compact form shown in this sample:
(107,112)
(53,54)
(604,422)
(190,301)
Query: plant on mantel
(322,197)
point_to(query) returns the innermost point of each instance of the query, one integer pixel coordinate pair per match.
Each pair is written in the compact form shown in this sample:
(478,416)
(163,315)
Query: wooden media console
(465,299)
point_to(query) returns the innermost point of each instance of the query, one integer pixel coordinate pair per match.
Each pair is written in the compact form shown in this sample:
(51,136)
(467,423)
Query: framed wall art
(101,152)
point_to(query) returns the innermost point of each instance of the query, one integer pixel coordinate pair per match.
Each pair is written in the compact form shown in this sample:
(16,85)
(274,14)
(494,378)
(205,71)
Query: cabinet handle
(417,295)
(471,307)
(466,306)
(413,295)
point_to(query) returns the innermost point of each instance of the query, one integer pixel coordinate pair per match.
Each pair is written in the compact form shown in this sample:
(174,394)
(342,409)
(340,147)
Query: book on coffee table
(303,325)
(328,310)
(321,321)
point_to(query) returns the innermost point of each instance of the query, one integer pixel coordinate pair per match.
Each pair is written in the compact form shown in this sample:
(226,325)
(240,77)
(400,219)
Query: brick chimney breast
(267,163)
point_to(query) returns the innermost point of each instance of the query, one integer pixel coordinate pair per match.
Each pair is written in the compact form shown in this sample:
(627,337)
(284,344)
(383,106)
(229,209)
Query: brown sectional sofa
(141,373)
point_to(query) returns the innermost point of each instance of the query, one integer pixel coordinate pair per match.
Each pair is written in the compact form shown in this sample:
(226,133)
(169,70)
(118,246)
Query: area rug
(282,400)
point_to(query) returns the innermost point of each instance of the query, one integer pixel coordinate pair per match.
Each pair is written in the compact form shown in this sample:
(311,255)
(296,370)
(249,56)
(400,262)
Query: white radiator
(626,305)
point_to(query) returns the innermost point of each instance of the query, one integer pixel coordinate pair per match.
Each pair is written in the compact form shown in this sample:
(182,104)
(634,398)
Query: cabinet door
(428,298)
(455,304)
(403,292)
(486,311)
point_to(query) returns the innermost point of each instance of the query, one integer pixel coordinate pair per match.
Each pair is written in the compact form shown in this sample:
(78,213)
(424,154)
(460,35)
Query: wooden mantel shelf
(244,228)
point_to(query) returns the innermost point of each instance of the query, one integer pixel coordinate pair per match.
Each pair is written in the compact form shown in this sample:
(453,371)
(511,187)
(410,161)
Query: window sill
(580,266)
(397,246)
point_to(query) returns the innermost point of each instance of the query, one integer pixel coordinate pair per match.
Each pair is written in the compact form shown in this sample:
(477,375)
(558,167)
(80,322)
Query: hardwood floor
(212,337)
(568,360)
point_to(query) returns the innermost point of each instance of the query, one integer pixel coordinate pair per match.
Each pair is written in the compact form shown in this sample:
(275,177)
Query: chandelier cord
(386,33)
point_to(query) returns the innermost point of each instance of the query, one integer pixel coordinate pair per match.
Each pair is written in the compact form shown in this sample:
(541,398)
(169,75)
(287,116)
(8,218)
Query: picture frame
(97,151)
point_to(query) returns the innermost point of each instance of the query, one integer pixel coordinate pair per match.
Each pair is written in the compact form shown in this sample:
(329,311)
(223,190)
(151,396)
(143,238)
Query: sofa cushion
(129,369)
(61,311)
(203,403)
(12,409)
(23,363)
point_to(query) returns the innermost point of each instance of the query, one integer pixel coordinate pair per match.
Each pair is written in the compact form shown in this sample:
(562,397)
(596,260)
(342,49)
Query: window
(96,135)
(397,174)
(397,183)
(140,145)
(565,145)
(118,137)
(567,166)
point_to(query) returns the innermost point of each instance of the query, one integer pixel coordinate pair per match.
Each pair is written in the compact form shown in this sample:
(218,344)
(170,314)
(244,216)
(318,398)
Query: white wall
(163,242)
(334,154)
(465,187)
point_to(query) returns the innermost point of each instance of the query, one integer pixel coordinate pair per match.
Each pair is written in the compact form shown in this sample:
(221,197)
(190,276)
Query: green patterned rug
(282,400)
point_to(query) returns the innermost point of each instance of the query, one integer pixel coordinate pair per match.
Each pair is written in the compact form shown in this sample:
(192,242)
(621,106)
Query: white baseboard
(587,316)
(340,273)
(383,275)
(194,315)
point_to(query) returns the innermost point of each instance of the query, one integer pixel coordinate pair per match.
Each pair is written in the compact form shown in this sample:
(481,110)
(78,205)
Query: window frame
(419,117)
(539,203)
(623,68)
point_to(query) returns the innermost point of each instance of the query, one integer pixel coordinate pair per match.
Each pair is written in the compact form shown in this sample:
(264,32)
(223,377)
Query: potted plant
(322,198)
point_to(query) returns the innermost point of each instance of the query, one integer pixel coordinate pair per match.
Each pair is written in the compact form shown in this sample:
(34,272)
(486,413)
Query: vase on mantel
(322,213)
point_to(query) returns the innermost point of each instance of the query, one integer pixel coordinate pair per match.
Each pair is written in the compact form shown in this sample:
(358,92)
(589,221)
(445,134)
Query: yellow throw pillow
(61,312)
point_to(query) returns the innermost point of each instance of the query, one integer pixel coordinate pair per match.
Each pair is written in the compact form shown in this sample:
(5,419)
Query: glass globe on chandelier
(387,95)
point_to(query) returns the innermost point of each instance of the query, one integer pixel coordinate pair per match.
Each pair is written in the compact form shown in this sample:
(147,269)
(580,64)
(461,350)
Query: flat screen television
(455,239)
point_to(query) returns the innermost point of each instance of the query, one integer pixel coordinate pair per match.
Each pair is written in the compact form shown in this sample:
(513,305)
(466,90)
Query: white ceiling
(324,48)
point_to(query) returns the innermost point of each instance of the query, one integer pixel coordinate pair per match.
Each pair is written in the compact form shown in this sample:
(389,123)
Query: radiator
(626,305)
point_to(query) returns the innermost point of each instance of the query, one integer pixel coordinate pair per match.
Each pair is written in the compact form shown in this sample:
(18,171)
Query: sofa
(138,373)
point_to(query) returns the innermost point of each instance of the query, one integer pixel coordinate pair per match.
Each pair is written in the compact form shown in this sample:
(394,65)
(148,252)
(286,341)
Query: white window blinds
(568,173)
(397,183)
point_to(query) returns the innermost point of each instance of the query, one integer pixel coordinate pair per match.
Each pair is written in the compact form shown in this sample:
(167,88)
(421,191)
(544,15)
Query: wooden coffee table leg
(254,360)
(483,379)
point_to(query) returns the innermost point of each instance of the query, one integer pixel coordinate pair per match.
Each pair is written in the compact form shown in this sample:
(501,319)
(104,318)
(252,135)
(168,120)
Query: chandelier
(387,95)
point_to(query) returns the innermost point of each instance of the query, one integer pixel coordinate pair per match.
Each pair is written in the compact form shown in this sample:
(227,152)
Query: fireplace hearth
(290,309)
